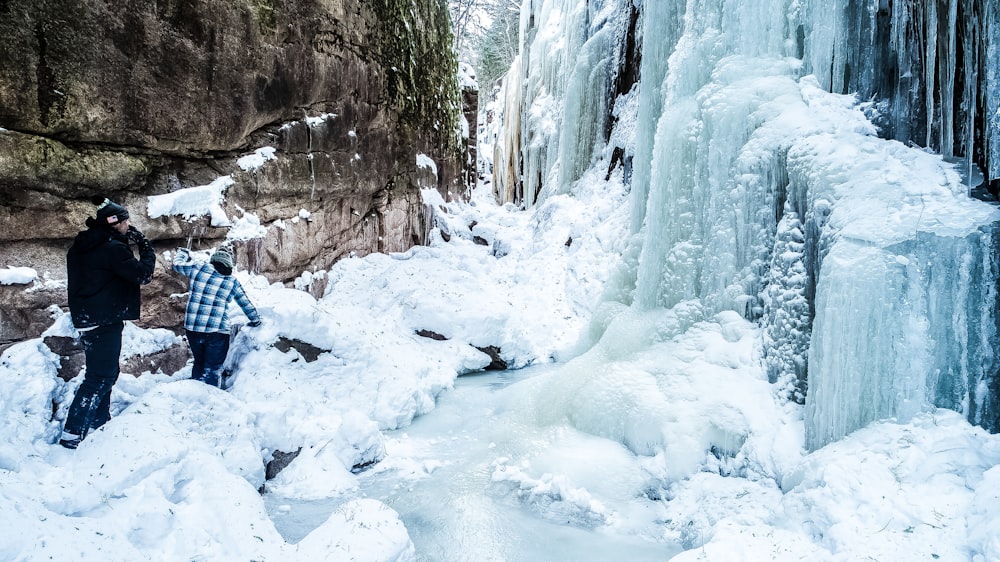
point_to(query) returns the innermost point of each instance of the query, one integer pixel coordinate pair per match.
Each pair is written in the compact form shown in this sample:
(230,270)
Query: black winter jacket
(104,276)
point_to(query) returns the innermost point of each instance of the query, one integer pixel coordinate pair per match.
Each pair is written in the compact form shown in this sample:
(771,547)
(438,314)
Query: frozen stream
(473,481)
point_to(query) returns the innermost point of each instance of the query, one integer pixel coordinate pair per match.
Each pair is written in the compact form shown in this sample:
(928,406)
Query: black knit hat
(109,212)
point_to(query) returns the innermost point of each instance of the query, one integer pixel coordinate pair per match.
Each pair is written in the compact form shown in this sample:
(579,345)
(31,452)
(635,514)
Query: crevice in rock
(279,461)
(431,335)
(308,351)
(496,362)
(363,466)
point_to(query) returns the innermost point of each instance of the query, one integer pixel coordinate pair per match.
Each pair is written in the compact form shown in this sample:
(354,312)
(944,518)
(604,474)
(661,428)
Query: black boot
(70,441)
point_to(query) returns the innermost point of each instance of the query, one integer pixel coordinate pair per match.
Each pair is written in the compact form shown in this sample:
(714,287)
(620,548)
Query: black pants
(209,351)
(91,407)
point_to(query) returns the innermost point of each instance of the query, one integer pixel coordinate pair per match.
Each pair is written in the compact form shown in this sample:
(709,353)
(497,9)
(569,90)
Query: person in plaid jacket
(206,319)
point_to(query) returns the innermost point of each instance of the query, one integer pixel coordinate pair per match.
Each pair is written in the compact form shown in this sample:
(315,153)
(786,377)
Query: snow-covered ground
(175,474)
(653,424)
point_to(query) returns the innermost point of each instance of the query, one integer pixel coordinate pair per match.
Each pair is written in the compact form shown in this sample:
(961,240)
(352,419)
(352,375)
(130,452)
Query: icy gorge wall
(303,130)
(807,163)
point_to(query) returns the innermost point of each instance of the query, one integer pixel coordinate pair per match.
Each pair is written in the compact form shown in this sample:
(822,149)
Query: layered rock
(358,100)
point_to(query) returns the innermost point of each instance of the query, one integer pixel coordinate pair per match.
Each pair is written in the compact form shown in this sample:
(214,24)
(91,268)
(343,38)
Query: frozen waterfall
(776,169)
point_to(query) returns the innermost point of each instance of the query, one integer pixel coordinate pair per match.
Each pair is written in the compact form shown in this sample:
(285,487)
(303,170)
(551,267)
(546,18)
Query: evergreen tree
(486,35)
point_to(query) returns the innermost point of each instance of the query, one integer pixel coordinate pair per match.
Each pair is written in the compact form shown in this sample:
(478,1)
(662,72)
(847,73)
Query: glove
(254,324)
(135,235)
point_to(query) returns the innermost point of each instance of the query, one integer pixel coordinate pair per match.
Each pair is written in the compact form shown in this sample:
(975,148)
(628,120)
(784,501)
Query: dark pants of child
(91,407)
(209,350)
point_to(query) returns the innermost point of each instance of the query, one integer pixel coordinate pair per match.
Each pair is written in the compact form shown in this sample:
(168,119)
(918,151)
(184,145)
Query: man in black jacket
(103,288)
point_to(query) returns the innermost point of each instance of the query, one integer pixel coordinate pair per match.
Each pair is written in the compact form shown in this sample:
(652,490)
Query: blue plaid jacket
(211,292)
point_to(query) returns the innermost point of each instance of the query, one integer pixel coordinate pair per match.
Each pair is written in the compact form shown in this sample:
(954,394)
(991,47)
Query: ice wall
(905,297)
(566,75)
(759,187)
(773,198)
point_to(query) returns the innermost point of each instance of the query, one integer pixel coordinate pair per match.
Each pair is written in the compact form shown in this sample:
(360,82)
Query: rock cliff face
(136,99)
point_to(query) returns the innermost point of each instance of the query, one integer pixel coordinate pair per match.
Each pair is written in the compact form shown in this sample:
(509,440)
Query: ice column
(507,150)
(710,212)
(552,33)
(661,29)
(787,315)
(585,110)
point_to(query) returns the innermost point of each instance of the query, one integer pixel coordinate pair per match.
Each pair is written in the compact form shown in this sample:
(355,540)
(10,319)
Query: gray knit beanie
(224,257)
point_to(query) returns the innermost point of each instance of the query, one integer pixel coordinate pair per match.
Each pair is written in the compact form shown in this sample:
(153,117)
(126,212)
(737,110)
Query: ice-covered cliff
(805,163)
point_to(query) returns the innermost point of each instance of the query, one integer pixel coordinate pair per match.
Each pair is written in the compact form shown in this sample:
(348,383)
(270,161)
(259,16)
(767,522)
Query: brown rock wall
(134,99)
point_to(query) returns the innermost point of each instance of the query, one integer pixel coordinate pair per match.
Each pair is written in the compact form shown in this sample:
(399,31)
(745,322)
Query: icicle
(946,142)
(969,100)
(992,26)
(930,67)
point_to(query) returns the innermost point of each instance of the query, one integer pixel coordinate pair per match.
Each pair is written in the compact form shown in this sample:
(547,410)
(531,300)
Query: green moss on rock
(415,47)
(29,158)
(267,20)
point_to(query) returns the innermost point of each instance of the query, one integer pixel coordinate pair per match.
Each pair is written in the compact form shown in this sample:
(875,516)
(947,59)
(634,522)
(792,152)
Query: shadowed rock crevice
(497,362)
(308,351)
